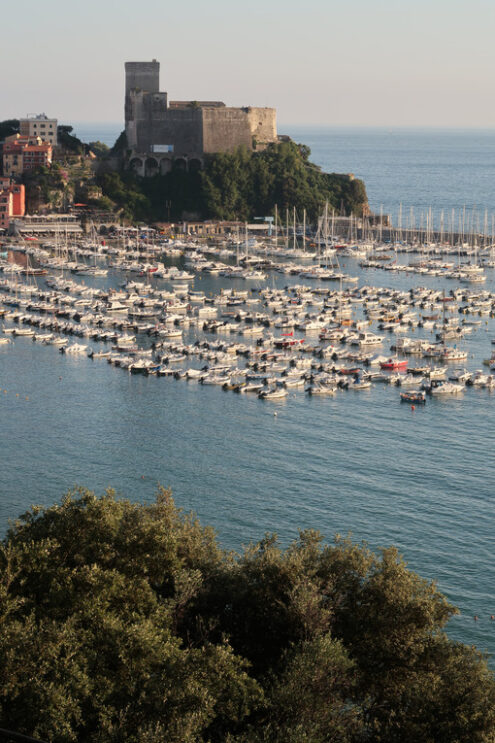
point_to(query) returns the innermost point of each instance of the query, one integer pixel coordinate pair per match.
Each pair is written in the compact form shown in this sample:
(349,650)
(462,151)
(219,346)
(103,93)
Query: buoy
(413,407)
(27,398)
(17,394)
(275,414)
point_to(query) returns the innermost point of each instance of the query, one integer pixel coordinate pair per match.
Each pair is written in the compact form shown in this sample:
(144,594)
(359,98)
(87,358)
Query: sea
(360,463)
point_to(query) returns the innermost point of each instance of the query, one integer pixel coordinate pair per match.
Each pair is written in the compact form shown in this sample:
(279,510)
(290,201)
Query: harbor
(272,337)
(262,385)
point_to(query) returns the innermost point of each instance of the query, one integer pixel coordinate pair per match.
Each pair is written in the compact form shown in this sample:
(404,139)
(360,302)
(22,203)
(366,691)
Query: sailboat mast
(276,226)
(294,241)
(304,229)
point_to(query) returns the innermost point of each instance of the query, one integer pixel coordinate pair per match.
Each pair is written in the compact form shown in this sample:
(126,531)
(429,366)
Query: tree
(100,149)
(120,145)
(127,622)
(69,141)
(90,594)
(8,127)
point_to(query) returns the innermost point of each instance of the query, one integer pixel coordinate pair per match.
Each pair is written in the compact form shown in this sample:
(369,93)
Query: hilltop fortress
(162,134)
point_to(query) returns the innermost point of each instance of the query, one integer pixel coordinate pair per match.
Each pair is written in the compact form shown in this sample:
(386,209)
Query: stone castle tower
(163,134)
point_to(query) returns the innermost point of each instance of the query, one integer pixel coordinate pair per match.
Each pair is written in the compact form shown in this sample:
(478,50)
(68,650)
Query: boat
(294,382)
(394,364)
(214,379)
(413,396)
(447,388)
(479,379)
(436,372)
(245,388)
(360,384)
(56,341)
(76,349)
(368,339)
(460,376)
(24,331)
(321,389)
(276,393)
(408,380)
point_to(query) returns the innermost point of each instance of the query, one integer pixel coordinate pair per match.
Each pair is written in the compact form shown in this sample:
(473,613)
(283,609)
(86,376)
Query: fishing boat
(413,396)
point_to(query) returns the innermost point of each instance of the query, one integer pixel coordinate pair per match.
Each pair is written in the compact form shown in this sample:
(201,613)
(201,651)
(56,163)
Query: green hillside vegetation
(45,186)
(243,185)
(125,622)
(232,186)
(238,186)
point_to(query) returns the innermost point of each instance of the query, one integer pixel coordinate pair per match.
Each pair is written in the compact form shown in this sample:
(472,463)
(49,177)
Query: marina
(313,452)
(307,336)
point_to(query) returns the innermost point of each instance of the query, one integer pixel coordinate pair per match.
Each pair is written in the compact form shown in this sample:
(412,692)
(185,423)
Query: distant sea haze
(406,171)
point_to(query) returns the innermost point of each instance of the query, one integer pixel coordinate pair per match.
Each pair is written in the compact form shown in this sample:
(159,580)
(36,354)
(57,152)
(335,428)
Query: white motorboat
(75,349)
(447,388)
(276,393)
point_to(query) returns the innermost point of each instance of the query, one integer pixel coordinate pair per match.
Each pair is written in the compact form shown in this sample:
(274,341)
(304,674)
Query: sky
(354,62)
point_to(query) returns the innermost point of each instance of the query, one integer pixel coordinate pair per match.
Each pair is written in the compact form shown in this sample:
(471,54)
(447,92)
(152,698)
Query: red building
(12,201)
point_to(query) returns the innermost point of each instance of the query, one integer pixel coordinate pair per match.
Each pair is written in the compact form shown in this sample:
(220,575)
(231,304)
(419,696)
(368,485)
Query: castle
(162,134)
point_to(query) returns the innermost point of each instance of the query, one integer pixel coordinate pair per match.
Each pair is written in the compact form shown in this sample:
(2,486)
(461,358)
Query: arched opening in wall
(165,165)
(180,164)
(151,167)
(136,164)
(194,165)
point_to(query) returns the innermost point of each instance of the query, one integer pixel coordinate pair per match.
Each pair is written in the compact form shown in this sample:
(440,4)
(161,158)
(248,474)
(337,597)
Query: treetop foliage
(128,622)
(100,149)
(9,127)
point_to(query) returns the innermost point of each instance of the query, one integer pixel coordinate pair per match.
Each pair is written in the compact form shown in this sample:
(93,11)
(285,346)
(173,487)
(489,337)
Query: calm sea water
(359,463)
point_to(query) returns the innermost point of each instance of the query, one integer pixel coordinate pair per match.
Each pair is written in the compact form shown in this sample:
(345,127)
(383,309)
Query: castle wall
(182,128)
(263,124)
(224,129)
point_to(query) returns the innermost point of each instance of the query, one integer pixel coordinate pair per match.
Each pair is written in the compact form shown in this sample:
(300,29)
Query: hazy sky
(359,62)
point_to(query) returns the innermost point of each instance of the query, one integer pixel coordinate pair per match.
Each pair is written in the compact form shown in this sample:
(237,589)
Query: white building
(39,125)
